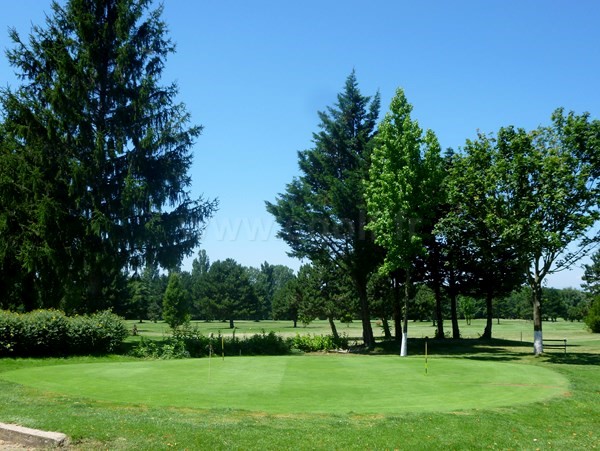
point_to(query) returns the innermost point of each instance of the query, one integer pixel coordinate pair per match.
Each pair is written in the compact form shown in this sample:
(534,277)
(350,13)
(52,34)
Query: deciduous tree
(403,191)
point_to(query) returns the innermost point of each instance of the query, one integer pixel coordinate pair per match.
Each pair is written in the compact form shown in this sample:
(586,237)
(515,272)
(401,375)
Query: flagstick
(209,355)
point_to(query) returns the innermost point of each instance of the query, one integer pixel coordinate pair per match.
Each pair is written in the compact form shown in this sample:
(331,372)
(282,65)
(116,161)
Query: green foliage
(592,319)
(190,342)
(468,308)
(176,310)
(100,152)
(228,292)
(165,350)
(315,343)
(402,189)
(51,333)
(322,214)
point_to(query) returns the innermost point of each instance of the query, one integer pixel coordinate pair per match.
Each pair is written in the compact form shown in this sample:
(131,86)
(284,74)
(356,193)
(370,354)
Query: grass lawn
(327,384)
(476,395)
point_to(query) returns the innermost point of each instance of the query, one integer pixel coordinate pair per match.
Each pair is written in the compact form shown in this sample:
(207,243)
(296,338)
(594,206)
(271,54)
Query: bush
(314,343)
(44,333)
(101,332)
(190,342)
(592,319)
(169,349)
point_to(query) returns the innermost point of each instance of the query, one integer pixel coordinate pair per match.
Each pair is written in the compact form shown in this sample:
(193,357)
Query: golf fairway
(325,384)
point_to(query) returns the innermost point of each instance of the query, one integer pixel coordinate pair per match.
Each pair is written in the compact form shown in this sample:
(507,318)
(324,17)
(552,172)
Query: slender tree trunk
(231,326)
(439,317)
(536,290)
(453,306)
(489,314)
(295,322)
(386,329)
(333,328)
(365,314)
(454,317)
(407,292)
(397,310)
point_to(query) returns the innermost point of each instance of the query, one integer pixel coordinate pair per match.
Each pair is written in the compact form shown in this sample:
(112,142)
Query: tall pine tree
(103,151)
(322,214)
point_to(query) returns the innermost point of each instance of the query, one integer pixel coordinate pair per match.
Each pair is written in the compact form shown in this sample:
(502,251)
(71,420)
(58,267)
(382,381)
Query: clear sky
(255,73)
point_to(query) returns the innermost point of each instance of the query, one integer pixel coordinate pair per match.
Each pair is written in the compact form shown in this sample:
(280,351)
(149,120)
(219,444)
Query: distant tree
(403,193)
(468,307)
(102,152)
(229,292)
(423,307)
(592,319)
(326,293)
(322,213)
(381,299)
(176,310)
(287,301)
(575,302)
(591,286)
(554,307)
(140,297)
(201,263)
(591,276)
(267,282)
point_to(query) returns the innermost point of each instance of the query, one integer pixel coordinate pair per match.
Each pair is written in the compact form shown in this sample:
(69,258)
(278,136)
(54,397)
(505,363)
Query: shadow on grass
(480,349)
(573,359)
(472,348)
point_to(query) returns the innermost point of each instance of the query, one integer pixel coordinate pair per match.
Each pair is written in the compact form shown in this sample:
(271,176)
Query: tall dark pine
(322,213)
(105,148)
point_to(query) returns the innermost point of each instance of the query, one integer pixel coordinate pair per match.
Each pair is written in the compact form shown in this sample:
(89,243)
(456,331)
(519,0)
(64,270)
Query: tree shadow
(582,358)
(485,349)
(470,348)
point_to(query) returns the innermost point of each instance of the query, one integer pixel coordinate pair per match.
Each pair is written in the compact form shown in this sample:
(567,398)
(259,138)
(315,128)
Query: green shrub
(99,333)
(592,319)
(314,343)
(169,349)
(190,342)
(10,332)
(50,333)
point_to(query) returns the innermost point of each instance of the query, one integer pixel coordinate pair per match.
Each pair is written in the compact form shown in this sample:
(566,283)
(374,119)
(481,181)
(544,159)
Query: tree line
(504,211)
(227,291)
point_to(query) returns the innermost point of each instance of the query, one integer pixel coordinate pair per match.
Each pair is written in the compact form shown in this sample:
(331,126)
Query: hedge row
(190,342)
(44,333)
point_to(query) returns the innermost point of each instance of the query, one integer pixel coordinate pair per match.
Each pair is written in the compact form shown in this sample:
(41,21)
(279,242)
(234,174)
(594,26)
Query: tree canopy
(403,192)
(322,214)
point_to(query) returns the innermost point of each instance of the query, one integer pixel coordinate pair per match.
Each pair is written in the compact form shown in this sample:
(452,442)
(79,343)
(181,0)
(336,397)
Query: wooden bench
(555,344)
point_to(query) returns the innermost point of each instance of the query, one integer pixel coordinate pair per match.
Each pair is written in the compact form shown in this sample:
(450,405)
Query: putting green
(303,384)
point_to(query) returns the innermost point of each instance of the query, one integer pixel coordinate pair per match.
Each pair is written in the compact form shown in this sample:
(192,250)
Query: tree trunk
(407,292)
(453,306)
(438,312)
(295,322)
(454,317)
(536,290)
(365,315)
(333,328)
(487,333)
(386,329)
(231,326)
(397,310)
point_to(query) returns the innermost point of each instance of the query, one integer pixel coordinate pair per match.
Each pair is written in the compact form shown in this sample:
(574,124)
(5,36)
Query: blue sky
(254,74)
